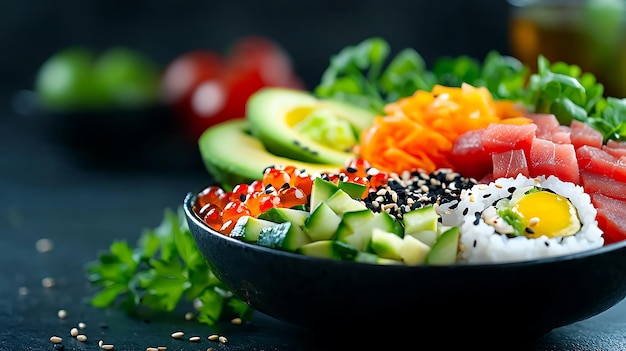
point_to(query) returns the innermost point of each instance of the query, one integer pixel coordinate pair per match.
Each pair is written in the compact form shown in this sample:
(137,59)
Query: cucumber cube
(248,228)
(413,251)
(281,215)
(341,202)
(322,223)
(284,236)
(420,219)
(321,191)
(444,251)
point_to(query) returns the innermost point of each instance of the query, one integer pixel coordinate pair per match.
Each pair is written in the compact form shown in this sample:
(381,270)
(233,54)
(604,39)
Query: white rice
(480,243)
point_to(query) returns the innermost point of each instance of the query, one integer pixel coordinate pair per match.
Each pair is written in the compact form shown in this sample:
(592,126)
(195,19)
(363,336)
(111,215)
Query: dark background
(310,30)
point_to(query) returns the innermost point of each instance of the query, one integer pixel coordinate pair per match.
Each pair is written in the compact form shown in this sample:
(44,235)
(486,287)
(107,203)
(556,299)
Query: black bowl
(459,304)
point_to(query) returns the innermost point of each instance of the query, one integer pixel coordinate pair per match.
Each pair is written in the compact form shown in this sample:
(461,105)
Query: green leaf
(165,266)
(108,295)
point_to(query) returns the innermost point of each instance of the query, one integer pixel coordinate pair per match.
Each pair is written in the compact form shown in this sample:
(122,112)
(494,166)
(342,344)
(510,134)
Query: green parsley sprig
(164,270)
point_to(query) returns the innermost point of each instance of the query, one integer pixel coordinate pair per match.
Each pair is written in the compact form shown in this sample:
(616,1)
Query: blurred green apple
(128,78)
(75,79)
(66,82)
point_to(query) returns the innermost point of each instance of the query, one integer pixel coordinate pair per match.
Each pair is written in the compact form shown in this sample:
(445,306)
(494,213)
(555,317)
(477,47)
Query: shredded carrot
(418,132)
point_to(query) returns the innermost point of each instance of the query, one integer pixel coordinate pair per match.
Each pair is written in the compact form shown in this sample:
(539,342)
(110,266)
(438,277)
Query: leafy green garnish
(165,269)
(358,75)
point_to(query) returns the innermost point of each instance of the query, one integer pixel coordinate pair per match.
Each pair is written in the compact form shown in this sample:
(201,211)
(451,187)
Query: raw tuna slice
(616,144)
(601,184)
(468,155)
(500,137)
(546,124)
(615,151)
(583,134)
(559,137)
(549,158)
(509,164)
(610,217)
(599,161)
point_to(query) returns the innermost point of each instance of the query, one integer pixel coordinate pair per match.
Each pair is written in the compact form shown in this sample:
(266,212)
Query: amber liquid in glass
(565,34)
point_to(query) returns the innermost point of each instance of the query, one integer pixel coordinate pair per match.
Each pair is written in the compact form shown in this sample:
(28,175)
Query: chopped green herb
(164,270)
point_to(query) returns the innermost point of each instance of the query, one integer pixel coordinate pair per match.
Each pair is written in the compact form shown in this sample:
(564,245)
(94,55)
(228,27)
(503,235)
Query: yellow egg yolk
(547,213)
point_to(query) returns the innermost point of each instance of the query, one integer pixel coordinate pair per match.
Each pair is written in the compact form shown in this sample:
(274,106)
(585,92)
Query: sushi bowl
(482,303)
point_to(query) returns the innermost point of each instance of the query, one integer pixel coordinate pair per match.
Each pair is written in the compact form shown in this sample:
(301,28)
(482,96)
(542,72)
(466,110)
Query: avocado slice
(297,125)
(233,156)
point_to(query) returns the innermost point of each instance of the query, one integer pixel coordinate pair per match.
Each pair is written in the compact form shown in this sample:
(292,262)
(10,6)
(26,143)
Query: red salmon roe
(290,197)
(280,187)
(209,195)
(234,210)
(260,202)
(276,177)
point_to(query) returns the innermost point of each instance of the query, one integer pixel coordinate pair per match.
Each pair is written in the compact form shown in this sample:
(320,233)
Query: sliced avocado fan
(233,156)
(297,125)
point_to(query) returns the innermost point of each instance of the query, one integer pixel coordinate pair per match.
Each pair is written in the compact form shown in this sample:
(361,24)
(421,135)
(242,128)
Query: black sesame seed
(242,197)
(351,170)
(465,211)
(511,189)
(529,230)
(547,244)
(474,243)
(477,216)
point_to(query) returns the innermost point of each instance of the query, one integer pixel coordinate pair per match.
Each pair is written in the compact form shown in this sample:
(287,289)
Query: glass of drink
(588,33)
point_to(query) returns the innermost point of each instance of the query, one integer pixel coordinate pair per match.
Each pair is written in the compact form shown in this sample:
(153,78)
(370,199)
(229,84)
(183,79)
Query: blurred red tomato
(205,88)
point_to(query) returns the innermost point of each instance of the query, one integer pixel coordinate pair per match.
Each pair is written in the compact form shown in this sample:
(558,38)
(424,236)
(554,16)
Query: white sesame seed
(100,343)
(22,291)
(189,316)
(178,335)
(213,337)
(47,282)
(56,339)
(62,314)
(162,348)
(44,245)
(82,325)
(223,339)
(194,339)
(210,349)
(74,332)
(152,349)
(81,337)
(107,347)
(236,321)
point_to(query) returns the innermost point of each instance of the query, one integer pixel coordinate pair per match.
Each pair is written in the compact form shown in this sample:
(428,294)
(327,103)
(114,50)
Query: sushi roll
(520,219)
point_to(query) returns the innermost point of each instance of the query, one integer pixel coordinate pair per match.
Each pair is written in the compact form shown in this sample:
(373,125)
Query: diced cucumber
(386,244)
(420,219)
(352,221)
(283,236)
(322,223)
(413,251)
(321,191)
(355,190)
(281,215)
(368,257)
(248,228)
(428,237)
(444,250)
(331,249)
(362,235)
(341,202)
